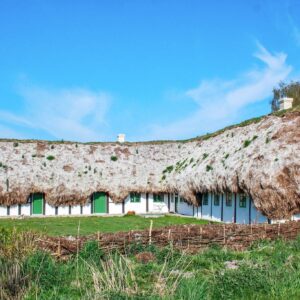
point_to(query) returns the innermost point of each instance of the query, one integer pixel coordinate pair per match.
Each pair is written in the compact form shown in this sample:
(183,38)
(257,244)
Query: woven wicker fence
(185,237)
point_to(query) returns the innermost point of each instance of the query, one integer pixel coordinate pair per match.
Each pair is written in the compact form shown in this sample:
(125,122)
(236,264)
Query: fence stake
(150,232)
(98,238)
(59,249)
(169,234)
(188,237)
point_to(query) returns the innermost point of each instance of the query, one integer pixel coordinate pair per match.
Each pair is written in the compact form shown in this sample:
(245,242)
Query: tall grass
(267,270)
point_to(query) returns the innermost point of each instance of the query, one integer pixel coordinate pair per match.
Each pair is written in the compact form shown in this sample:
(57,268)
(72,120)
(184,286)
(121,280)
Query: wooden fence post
(189,237)
(150,232)
(59,249)
(98,238)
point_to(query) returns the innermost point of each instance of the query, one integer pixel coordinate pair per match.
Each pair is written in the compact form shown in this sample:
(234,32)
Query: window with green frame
(158,198)
(243,200)
(135,197)
(216,200)
(229,199)
(205,199)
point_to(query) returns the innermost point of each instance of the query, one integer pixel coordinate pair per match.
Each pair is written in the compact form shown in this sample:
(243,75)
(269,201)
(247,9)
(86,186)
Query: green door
(176,203)
(99,203)
(37,204)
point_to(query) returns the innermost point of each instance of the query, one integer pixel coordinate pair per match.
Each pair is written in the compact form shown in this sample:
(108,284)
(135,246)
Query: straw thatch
(261,159)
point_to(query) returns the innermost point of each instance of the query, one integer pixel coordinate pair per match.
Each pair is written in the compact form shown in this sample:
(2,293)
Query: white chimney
(121,138)
(285,103)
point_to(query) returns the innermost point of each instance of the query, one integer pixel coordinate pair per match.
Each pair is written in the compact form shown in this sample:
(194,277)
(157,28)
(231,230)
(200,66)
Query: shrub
(227,155)
(91,252)
(114,158)
(130,213)
(208,168)
(247,143)
(16,144)
(50,157)
(168,169)
(205,155)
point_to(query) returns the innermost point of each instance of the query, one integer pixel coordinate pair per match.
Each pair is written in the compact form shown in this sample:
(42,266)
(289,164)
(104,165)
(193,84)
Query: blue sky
(88,70)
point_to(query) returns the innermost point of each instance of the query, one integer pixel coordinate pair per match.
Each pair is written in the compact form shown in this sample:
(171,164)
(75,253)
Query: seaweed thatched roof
(260,158)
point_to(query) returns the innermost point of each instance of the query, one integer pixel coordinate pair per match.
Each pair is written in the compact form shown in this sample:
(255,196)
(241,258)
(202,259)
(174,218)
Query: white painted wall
(14,210)
(158,207)
(216,209)
(3,211)
(242,213)
(63,210)
(75,210)
(206,209)
(25,209)
(49,210)
(228,211)
(114,208)
(197,212)
(138,207)
(86,209)
(172,202)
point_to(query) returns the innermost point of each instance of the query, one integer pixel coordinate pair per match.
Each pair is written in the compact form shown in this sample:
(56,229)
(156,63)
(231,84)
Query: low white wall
(86,209)
(75,210)
(158,207)
(138,207)
(25,209)
(63,210)
(14,210)
(114,208)
(172,202)
(49,210)
(3,211)
(197,211)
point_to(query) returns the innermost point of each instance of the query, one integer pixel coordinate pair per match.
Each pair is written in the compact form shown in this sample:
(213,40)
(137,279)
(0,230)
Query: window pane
(229,199)
(205,199)
(216,200)
(135,197)
(158,198)
(243,200)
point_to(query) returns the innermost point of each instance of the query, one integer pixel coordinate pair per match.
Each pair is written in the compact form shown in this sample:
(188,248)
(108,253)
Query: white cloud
(220,101)
(70,114)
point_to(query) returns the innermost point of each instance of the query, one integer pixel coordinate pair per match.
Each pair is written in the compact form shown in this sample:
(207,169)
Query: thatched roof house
(261,158)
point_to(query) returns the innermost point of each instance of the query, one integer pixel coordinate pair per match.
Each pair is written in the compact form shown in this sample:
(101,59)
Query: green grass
(60,226)
(267,270)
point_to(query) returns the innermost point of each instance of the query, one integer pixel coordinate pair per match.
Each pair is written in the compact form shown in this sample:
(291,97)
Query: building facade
(228,208)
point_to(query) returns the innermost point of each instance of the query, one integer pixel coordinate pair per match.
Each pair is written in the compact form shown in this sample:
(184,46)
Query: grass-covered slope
(268,270)
(260,157)
(65,226)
